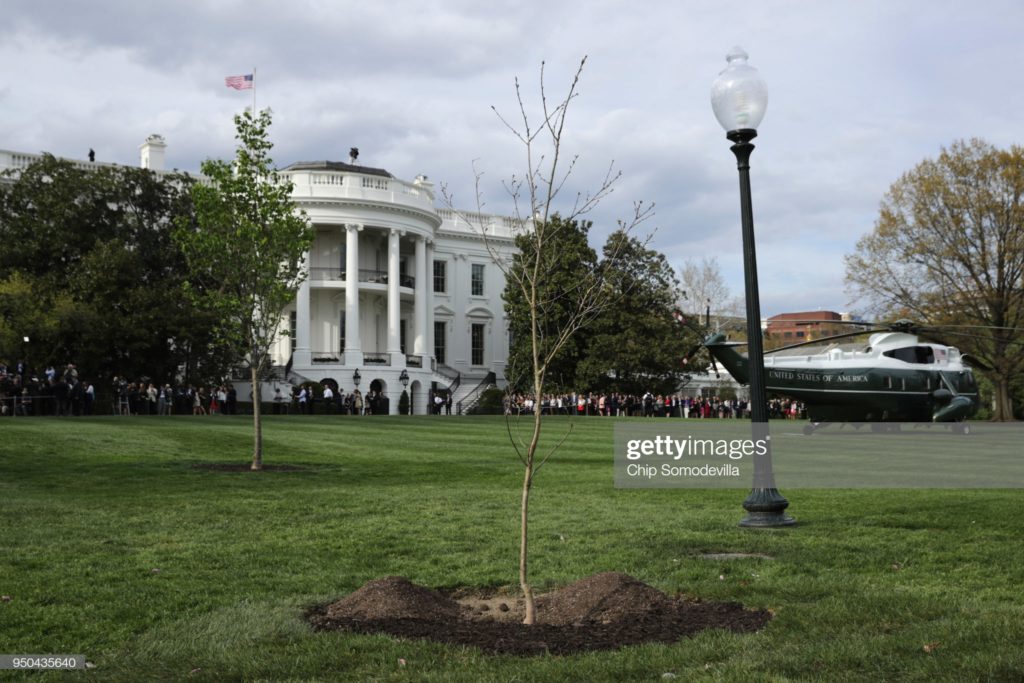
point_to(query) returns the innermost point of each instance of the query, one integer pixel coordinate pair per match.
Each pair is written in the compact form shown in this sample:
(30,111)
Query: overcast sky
(859,92)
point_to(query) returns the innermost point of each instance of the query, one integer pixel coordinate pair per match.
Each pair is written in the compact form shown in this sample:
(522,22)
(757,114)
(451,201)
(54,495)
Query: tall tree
(246,246)
(636,345)
(95,248)
(569,263)
(948,249)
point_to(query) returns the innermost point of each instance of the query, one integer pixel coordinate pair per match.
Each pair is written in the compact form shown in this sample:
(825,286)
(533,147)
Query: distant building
(395,284)
(793,328)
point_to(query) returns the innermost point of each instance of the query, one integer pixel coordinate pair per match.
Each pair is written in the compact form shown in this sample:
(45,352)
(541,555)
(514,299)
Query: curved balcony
(363,187)
(368,276)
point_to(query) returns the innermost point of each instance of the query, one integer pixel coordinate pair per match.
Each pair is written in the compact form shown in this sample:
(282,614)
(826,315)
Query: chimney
(151,153)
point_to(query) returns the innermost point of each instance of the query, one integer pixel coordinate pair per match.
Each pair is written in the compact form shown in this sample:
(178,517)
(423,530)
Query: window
(440,277)
(439,339)
(401,335)
(292,318)
(477,281)
(477,344)
(341,333)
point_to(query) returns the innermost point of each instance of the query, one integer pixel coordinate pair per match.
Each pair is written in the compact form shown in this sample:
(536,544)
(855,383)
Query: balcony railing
(377,358)
(334,357)
(371,276)
(414,361)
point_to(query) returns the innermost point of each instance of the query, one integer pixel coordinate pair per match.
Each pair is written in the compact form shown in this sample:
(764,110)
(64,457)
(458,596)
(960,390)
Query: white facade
(394,284)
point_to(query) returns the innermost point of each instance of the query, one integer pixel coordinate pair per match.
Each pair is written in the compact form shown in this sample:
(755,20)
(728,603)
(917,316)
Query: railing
(348,184)
(374,276)
(490,224)
(327,357)
(414,361)
(471,399)
(446,371)
(377,358)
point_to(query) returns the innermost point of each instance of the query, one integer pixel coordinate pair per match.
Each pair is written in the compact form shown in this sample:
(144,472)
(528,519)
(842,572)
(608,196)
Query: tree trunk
(531,452)
(531,610)
(1004,403)
(257,424)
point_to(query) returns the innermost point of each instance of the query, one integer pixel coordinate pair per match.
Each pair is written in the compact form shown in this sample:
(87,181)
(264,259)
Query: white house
(399,292)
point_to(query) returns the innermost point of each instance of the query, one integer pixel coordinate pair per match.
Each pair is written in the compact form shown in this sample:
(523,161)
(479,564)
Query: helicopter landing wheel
(961,428)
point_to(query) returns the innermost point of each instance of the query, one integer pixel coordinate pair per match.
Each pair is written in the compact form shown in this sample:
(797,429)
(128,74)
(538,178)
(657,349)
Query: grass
(113,546)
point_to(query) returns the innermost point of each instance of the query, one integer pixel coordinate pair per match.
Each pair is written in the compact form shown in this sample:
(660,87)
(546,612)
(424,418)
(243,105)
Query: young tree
(948,249)
(246,247)
(543,219)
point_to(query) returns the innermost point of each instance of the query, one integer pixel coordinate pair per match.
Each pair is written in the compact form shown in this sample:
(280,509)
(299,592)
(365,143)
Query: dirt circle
(605,611)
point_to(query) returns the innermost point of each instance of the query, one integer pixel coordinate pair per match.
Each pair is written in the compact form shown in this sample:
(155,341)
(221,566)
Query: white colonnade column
(303,355)
(394,301)
(429,303)
(420,304)
(353,340)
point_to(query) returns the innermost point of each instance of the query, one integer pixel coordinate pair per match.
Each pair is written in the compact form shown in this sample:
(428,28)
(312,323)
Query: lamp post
(404,379)
(356,377)
(739,98)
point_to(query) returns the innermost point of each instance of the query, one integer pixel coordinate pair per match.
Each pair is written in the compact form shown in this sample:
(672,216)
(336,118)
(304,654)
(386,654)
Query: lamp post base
(766,508)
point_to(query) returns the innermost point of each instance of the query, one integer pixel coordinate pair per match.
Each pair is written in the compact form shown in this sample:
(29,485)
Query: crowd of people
(63,393)
(51,392)
(334,401)
(647,405)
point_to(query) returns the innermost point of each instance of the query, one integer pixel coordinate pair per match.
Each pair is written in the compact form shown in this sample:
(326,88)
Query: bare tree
(539,213)
(703,287)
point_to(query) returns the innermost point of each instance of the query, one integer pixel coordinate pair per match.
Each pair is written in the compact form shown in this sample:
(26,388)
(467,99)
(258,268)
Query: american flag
(239,82)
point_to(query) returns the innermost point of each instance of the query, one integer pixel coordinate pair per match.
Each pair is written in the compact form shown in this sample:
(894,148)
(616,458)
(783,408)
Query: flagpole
(254,92)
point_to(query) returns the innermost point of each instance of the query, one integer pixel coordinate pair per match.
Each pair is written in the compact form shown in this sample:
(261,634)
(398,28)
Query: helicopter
(894,377)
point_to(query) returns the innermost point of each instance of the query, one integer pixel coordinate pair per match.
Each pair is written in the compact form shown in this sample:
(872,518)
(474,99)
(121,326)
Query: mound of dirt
(602,599)
(394,597)
(602,612)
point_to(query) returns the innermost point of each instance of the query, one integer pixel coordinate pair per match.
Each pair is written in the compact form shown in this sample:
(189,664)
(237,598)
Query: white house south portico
(394,286)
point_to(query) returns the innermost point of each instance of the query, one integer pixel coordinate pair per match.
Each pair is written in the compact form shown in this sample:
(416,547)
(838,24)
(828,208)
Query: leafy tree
(246,246)
(95,248)
(948,249)
(569,263)
(636,345)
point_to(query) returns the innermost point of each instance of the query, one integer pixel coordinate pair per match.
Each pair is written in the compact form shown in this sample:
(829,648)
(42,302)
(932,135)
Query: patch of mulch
(603,612)
(244,467)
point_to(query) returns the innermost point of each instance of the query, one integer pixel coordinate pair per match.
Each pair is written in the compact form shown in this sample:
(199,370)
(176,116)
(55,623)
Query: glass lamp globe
(739,95)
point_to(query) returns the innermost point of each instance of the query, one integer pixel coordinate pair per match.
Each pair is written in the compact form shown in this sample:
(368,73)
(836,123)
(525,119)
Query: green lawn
(113,546)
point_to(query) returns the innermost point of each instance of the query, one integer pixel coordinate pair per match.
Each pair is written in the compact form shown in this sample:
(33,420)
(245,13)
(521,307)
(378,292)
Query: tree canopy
(568,265)
(631,344)
(90,274)
(948,249)
(635,345)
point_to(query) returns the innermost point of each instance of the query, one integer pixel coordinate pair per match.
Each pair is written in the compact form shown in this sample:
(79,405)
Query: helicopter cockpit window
(912,354)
